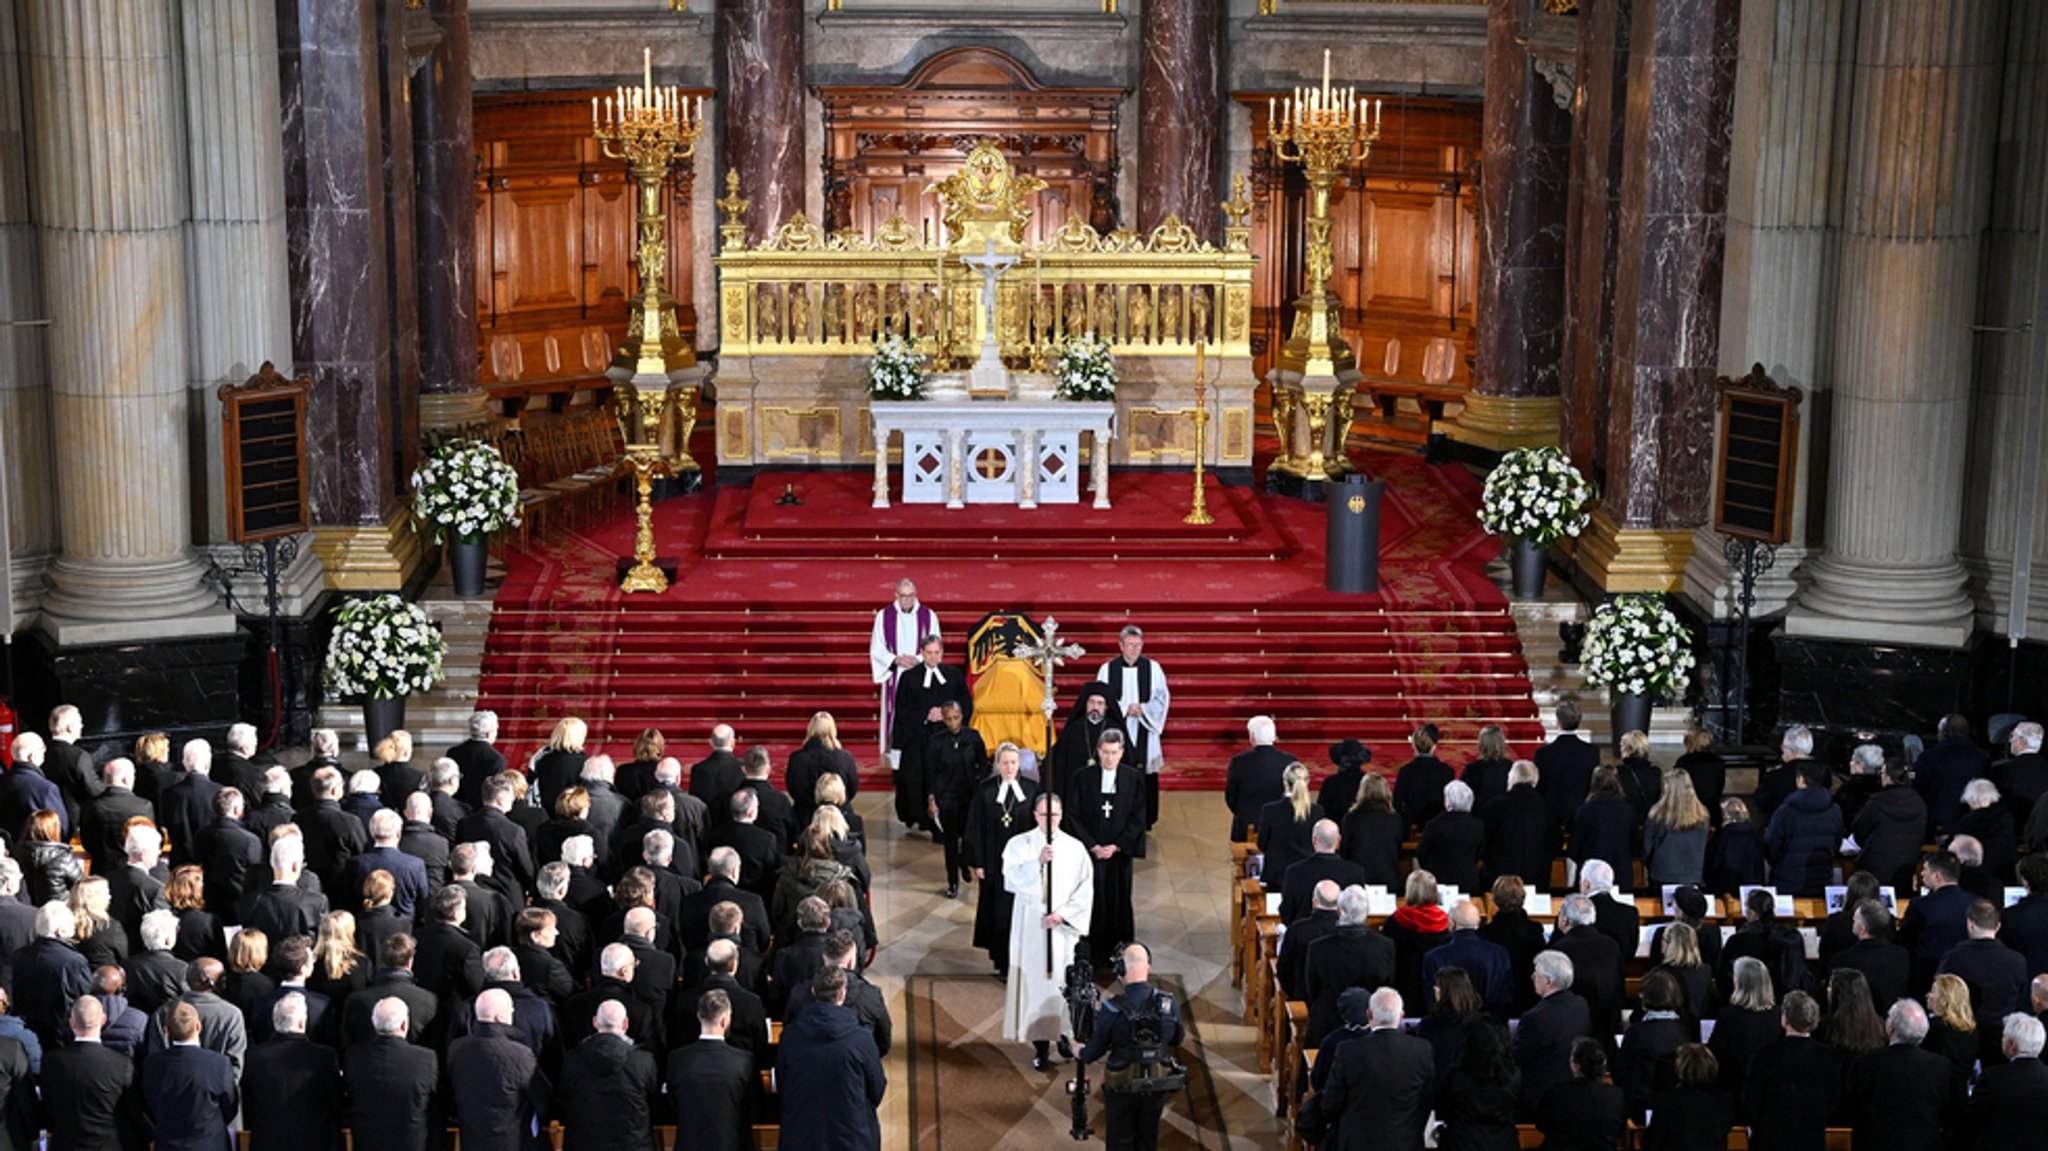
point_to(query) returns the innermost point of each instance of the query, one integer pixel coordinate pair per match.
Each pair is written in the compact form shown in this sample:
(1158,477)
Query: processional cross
(1048,653)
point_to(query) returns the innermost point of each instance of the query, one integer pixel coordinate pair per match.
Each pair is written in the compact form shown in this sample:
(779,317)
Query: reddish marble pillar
(1525,147)
(444,211)
(1181,105)
(1667,290)
(1598,130)
(762,101)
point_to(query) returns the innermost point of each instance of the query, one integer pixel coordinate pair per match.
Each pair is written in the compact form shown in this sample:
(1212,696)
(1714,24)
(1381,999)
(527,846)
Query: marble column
(1918,186)
(404,35)
(1667,294)
(762,102)
(342,314)
(109,176)
(444,207)
(1599,126)
(1784,238)
(1181,51)
(2006,434)
(24,381)
(1525,149)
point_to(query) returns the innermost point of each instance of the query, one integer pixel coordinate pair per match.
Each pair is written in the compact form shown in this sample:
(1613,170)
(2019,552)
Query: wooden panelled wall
(555,244)
(885,147)
(1405,234)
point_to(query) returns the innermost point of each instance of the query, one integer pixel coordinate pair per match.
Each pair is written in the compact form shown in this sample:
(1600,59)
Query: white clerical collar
(1109,781)
(1010,789)
(932,672)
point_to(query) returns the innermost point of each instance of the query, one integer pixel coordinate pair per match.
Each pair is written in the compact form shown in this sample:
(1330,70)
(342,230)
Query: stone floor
(1182,912)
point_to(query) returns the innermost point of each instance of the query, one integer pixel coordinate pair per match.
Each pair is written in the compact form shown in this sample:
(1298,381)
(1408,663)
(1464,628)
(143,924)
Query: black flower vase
(1528,564)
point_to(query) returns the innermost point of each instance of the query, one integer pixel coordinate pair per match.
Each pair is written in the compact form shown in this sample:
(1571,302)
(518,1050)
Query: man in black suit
(1566,764)
(477,759)
(419,838)
(184,810)
(448,964)
(922,691)
(2009,1108)
(1903,1098)
(575,937)
(90,1095)
(1937,920)
(1522,830)
(726,924)
(1596,962)
(714,778)
(394,980)
(2023,779)
(1793,1084)
(391,1085)
(408,875)
(616,968)
(333,836)
(103,824)
(284,909)
(796,961)
(776,812)
(1942,771)
(693,919)
(654,977)
(444,811)
(1488,964)
(292,1087)
(841,950)
(17,920)
(1253,778)
(190,1091)
(1995,973)
(272,809)
(132,890)
(50,974)
(232,853)
(1301,879)
(759,853)
(607,807)
(532,1020)
(293,960)
(609,1088)
(2025,927)
(828,1060)
(1379,1093)
(1886,966)
(714,1084)
(1543,1039)
(1614,916)
(511,853)
(672,884)
(1301,933)
(1351,955)
(749,1030)
(233,767)
(496,1080)
(489,914)
(533,941)
(70,766)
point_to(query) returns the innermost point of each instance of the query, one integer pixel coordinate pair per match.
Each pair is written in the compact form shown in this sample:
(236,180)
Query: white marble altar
(994,452)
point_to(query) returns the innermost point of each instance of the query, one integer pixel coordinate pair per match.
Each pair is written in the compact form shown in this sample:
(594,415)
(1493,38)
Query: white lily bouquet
(382,648)
(1535,495)
(1635,646)
(465,489)
(899,371)
(1085,370)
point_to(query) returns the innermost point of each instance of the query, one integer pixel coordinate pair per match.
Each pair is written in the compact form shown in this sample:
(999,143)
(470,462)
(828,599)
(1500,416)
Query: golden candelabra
(650,128)
(1199,514)
(1324,130)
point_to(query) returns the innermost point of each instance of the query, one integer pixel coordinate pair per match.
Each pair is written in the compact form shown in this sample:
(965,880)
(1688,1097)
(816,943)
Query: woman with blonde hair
(102,941)
(1287,825)
(1952,1023)
(561,764)
(340,969)
(199,930)
(379,921)
(1372,832)
(245,983)
(1487,776)
(1680,944)
(820,756)
(1747,1024)
(845,848)
(1675,834)
(1640,779)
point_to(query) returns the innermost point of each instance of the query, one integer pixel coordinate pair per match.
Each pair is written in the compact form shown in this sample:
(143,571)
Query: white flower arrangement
(465,489)
(1535,495)
(1635,646)
(1085,370)
(382,648)
(898,371)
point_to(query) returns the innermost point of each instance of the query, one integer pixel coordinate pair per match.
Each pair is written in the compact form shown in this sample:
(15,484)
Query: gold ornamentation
(650,128)
(1173,236)
(984,198)
(1238,207)
(797,234)
(1198,516)
(645,574)
(1283,429)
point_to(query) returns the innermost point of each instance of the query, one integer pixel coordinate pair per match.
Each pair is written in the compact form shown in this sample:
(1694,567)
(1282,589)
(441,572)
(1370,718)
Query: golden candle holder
(650,129)
(1199,514)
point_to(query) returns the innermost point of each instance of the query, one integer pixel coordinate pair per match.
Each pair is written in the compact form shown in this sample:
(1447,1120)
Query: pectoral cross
(1108,806)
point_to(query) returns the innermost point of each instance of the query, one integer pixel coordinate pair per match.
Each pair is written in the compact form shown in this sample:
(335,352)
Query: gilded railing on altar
(804,293)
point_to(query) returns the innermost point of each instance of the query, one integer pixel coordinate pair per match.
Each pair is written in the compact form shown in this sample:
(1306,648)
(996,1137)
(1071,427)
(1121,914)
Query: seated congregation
(1566,953)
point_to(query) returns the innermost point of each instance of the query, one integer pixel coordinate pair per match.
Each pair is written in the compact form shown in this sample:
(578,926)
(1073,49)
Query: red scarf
(1428,920)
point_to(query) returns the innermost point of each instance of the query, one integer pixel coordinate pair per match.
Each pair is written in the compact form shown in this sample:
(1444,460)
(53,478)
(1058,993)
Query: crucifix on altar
(988,374)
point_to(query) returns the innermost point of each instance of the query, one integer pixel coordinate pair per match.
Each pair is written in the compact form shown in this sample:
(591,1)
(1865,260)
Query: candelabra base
(655,576)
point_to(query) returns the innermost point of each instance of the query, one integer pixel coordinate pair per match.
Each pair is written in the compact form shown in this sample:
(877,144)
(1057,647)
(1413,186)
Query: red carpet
(769,618)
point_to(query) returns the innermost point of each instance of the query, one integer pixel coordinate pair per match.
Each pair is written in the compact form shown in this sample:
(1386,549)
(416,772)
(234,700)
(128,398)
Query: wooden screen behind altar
(1404,235)
(885,147)
(555,242)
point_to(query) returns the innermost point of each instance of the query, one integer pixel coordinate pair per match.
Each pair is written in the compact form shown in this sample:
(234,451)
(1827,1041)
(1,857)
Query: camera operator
(1137,1030)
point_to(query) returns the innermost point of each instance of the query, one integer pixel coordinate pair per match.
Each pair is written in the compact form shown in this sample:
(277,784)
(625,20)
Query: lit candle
(1326,71)
(1270,102)
(593,110)
(647,67)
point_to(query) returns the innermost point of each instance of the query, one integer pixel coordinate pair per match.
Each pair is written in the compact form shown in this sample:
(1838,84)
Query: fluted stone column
(1918,184)
(1599,127)
(1525,151)
(24,382)
(1181,101)
(2006,435)
(109,175)
(445,207)
(1778,282)
(762,101)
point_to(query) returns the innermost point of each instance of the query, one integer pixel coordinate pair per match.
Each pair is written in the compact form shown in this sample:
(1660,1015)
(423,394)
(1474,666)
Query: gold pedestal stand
(1199,514)
(650,128)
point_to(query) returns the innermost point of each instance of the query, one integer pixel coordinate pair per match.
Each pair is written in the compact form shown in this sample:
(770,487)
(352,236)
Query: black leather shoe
(953,892)
(1066,1048)
(1040,1063)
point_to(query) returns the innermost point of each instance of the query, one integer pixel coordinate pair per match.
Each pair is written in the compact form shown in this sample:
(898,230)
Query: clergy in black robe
(921,689)
(1000,811)
(1106,812)
(1138,695)
(1090,716)
(955,759)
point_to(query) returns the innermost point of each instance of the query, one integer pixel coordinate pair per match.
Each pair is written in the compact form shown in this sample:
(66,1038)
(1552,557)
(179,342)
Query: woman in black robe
(999,812)
(1106,812)
(955,759)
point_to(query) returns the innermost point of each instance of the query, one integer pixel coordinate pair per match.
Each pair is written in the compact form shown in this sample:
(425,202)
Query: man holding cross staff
(1053,879)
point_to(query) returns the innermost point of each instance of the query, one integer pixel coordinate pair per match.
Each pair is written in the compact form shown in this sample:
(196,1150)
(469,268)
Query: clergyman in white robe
(1034,1008)
(900,630)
